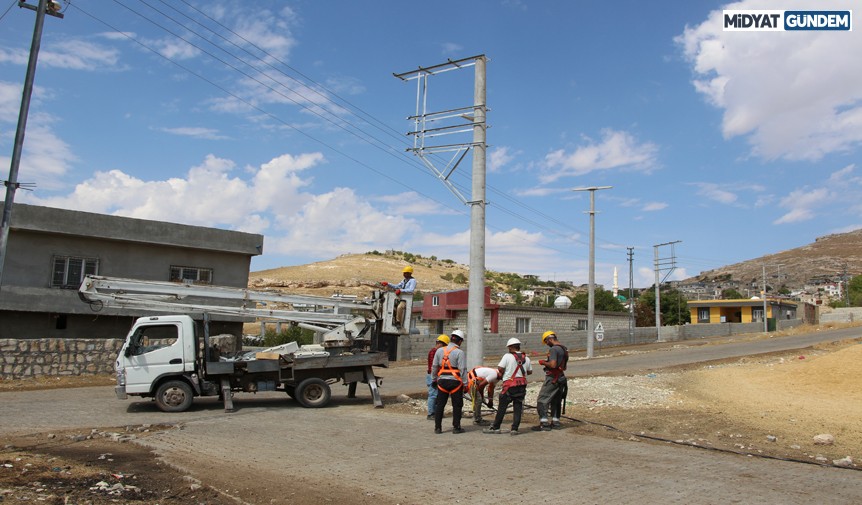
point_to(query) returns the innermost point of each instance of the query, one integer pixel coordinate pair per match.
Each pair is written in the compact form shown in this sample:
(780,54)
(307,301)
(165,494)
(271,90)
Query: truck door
(151,351)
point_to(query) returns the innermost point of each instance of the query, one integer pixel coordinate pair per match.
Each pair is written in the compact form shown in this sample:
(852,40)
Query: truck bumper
(120,391)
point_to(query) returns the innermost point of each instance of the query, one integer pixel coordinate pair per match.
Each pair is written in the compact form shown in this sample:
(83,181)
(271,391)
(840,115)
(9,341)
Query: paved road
(271,446)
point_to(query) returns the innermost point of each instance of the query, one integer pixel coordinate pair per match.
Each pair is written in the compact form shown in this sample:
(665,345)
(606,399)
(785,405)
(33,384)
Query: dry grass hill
(828,256)
(358,274)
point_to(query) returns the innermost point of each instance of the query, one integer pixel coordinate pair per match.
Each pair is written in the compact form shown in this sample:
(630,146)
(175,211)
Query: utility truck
(173,358)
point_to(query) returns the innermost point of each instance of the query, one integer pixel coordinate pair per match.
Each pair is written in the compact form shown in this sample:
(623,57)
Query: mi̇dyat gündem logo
(786,21)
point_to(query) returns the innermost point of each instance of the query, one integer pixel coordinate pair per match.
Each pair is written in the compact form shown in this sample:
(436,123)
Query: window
(703,315)
(435,301)
(522,325)
(757,315)
(152,338)
(69,271)
(582,324)
(191,275)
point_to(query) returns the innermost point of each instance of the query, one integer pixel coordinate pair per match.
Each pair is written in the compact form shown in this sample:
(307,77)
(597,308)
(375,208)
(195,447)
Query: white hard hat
(458,333)
(513,341)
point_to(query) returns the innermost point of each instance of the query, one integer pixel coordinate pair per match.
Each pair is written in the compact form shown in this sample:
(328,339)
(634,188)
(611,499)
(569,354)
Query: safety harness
(560,369)
(446,368)
(514,380)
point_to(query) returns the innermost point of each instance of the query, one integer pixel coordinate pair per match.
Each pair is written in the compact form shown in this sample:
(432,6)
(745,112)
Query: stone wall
(22,358)
(842,315)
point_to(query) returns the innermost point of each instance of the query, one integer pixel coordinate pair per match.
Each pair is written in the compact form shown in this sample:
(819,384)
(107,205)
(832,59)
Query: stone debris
(627,392)
(403,398)
(771,438)
(824,439)
(114,489)
(845,462)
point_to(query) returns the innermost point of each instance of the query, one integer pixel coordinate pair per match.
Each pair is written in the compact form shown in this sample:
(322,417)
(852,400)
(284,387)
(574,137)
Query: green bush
(290,334)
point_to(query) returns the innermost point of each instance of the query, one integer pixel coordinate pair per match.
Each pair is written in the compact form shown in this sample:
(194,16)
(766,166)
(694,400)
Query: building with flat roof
(49,251)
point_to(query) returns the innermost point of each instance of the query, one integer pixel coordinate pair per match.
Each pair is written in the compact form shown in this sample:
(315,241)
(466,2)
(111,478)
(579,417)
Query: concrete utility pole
(765,326)
(452,122)
(476,293)
(12,183)
(591,296)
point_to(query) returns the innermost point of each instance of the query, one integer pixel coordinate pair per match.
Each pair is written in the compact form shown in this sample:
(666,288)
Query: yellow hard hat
(407,269)
(546,335)
(444,339)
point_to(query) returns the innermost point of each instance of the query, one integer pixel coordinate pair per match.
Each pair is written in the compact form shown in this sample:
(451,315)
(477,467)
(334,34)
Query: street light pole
(591,299)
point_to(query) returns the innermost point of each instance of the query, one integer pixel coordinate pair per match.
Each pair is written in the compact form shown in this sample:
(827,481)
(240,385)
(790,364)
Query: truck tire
(313,393)
(174,396)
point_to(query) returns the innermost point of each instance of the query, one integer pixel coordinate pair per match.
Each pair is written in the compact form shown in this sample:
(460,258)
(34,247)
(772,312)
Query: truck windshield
(149,338)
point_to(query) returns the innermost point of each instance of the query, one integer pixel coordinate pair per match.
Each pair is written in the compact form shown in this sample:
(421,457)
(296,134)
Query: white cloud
(715,192)
(801,204)
(616,150)
(795,95)
(451,48)
(654,206)
(498,158)
(196,132)
(271,200)
(71,54)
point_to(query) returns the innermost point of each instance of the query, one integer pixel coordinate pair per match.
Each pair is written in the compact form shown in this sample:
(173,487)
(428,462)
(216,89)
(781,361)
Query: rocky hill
(829,257)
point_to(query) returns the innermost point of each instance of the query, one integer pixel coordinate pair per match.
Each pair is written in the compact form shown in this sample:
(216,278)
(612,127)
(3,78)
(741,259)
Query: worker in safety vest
(552,394)
(514,368)
(403,289)
(450,372)
(430,381)
(480,379)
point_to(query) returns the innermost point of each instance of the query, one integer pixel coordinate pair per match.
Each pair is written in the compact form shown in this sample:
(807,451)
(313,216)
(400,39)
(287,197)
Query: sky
(285,119)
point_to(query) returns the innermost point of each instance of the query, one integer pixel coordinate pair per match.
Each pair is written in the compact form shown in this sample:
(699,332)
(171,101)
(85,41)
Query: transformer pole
(476,293)
(12,183)
(631,255)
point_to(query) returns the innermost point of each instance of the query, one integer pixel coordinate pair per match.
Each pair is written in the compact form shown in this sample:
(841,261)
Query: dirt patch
(98,468)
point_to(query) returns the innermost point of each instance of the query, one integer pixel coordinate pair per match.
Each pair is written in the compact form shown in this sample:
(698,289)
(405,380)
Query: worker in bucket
(552,394)
(482,379)
(514,368)
(450,370)
(403,289)
(442,341)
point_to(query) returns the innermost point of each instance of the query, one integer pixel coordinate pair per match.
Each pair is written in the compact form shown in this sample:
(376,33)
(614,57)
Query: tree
(854,289)
(674,307)
(731,294)
(604,300)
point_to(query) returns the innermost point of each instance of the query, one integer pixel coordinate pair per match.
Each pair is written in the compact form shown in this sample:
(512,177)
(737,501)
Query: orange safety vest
(513,380)
(447,369)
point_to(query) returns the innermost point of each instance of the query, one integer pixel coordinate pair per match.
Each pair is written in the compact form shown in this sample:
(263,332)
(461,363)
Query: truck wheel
(174,396)
(313,393)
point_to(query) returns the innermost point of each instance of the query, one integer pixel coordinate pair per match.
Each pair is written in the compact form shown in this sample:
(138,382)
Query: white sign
(600,336)
(600,328)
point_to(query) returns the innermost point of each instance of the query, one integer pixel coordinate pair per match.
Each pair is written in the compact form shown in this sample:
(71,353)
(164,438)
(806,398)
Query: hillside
(357,274)
(828,256)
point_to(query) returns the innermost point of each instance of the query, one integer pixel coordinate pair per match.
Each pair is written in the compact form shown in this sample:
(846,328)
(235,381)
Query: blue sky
(285,119)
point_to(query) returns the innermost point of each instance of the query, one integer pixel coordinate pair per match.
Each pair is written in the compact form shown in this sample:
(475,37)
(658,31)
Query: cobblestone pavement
(272,443)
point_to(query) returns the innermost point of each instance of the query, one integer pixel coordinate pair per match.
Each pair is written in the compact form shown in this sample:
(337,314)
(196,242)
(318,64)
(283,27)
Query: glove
(397,291)
(433,384)
(384,283)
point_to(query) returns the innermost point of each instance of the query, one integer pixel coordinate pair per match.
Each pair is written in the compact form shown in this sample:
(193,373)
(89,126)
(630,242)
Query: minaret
(616,286)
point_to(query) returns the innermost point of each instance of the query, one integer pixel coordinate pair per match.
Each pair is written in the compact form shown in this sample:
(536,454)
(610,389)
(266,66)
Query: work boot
(541,427)
(514,432)
(481,422)
(556,425)
(438,431)
(491,431)
(429,417)
(457,430)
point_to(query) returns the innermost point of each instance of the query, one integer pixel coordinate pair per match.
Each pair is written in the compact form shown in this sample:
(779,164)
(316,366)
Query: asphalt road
(271,447)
